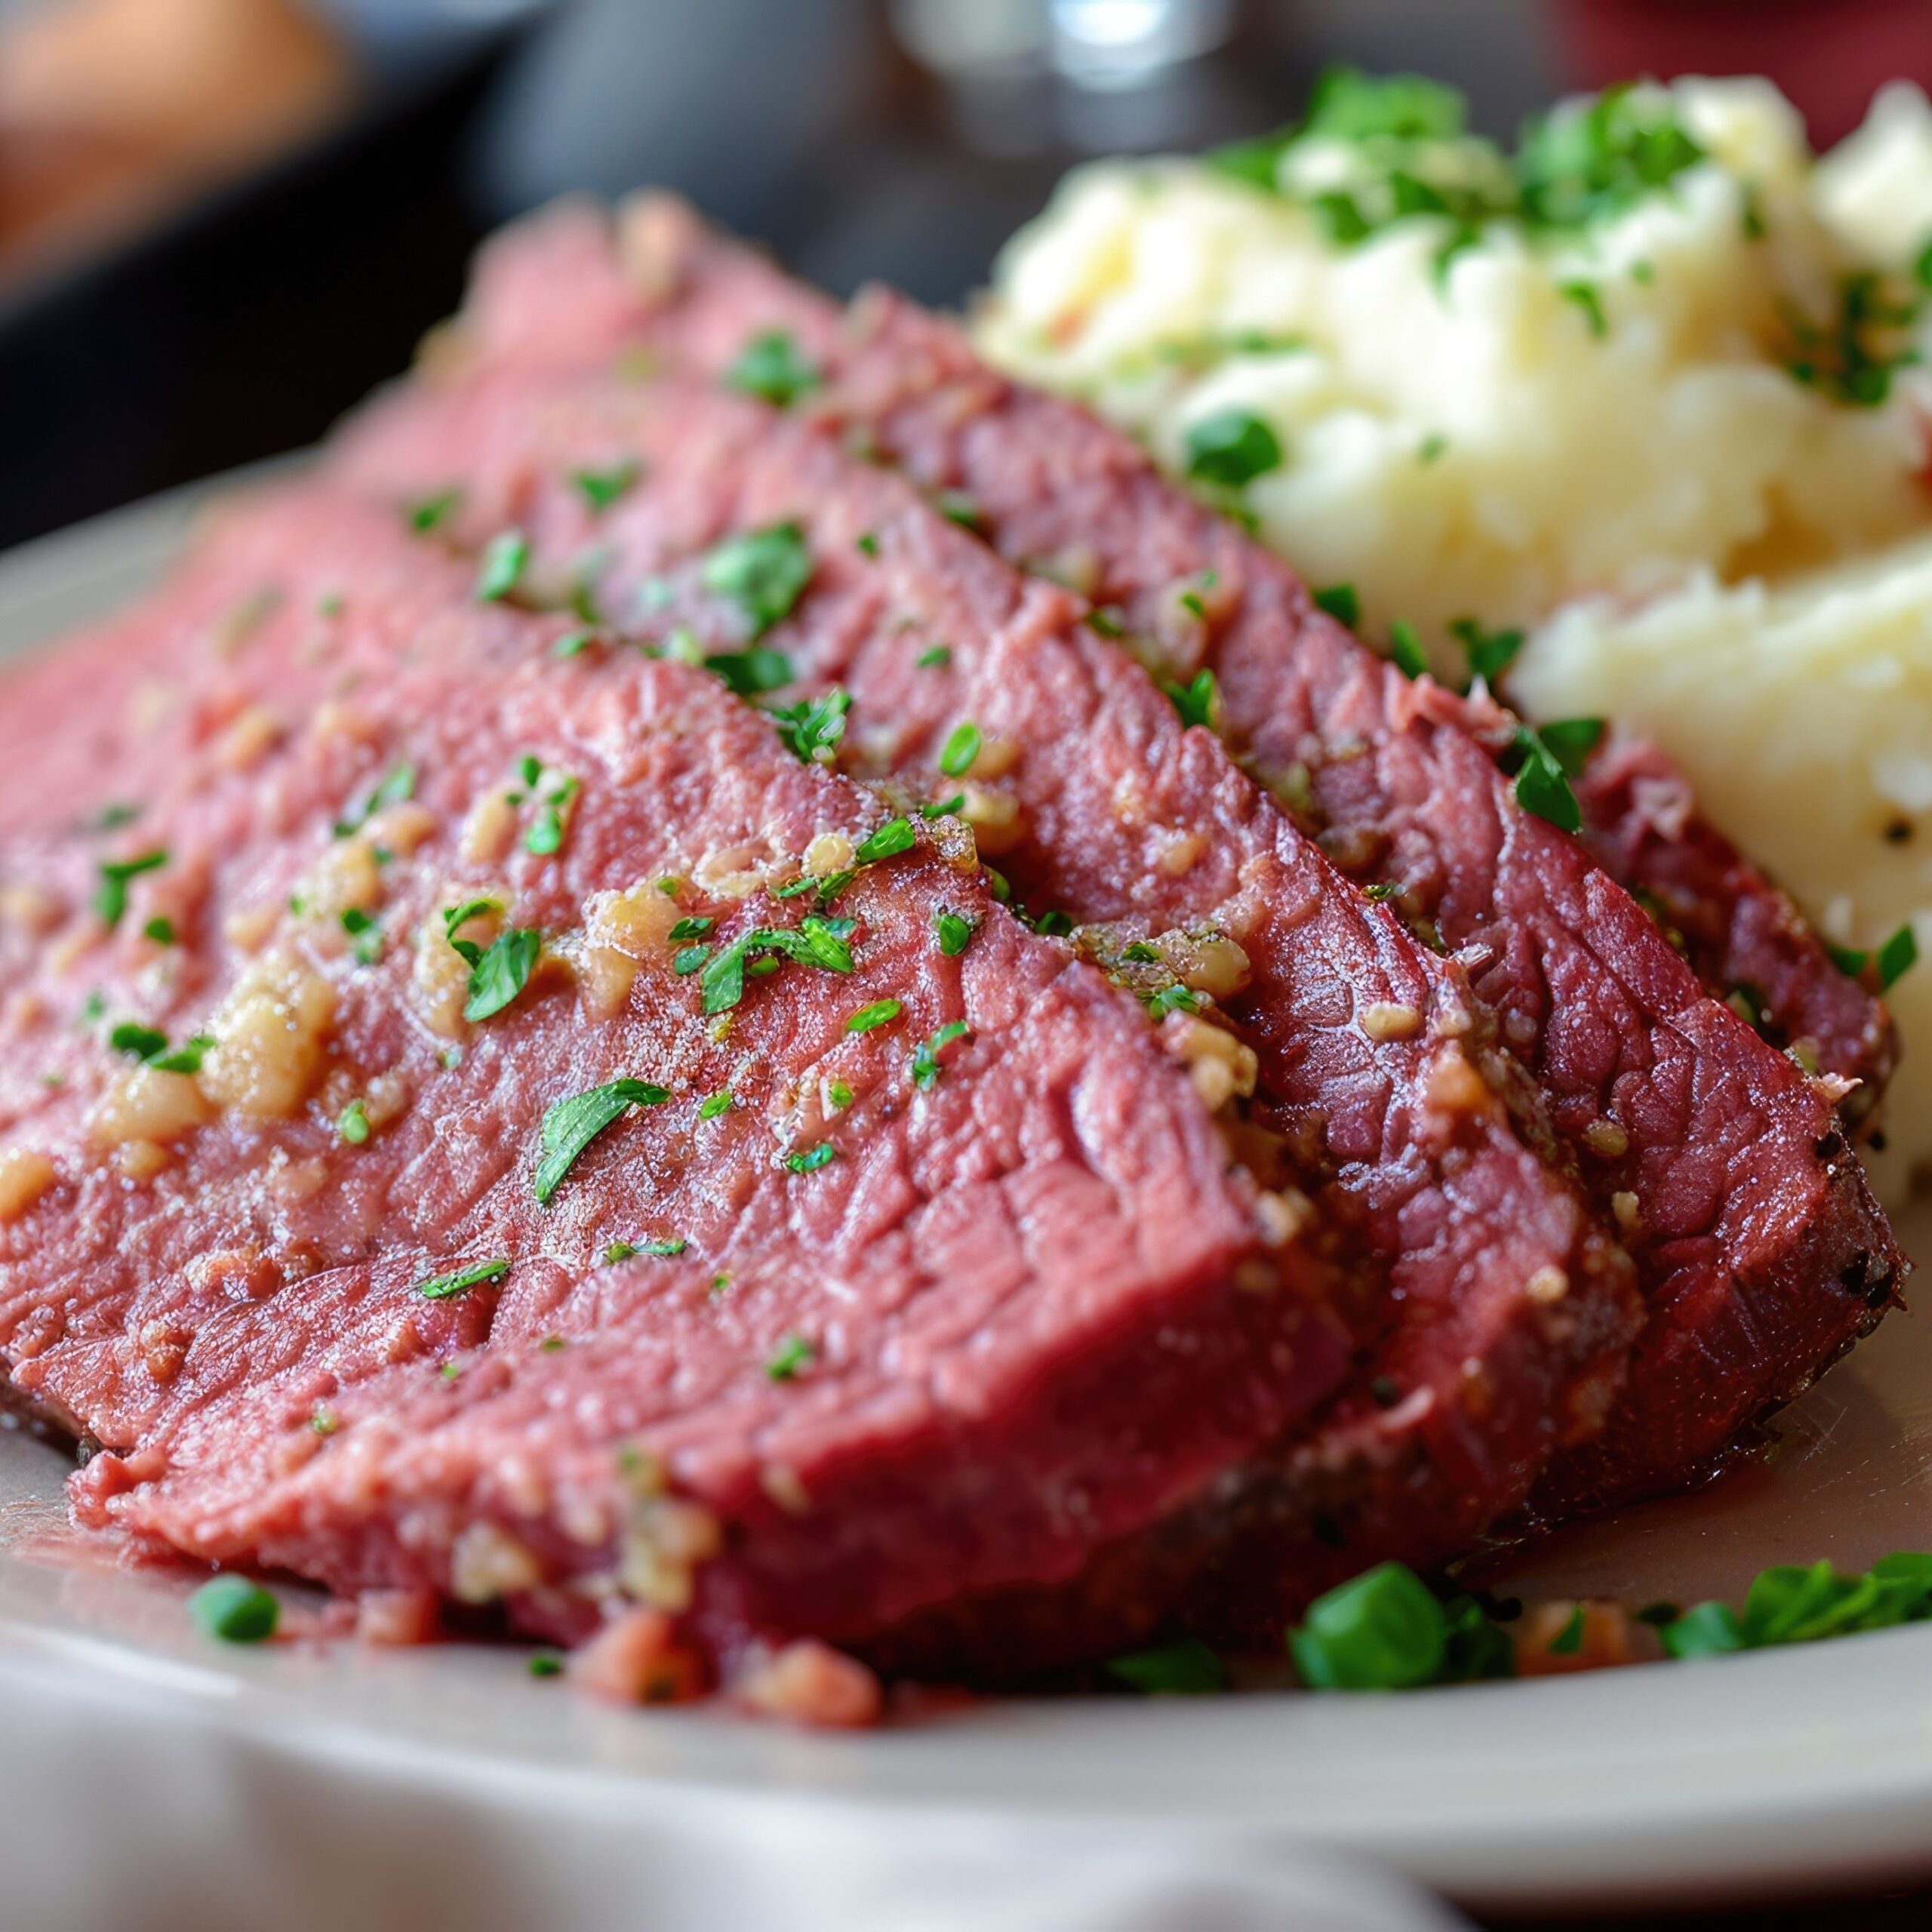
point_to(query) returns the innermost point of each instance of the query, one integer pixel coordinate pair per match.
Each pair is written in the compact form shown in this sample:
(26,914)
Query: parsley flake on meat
(881,1013)
(1198,701)
(814,726)
(499,971)
(505,559)
(764,572)
(792,1354)
(750,673)
(1405,649)
(1544,759)
(886,841)
(956,933)
(110,898)
(570,1125)
(815,942)
(1489,653)
(430,513)
(961,748)
(1232,447)
(1342,601)
(441,1287)
(394,789)
(772,366)
(812,1158)
(601,488)
(926,1068)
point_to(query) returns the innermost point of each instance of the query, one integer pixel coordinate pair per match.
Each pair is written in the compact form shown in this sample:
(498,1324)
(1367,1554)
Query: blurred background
(221,221)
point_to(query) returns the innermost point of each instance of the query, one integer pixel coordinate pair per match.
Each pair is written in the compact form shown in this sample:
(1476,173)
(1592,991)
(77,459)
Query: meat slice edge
(1766,1253)
(1025,1304)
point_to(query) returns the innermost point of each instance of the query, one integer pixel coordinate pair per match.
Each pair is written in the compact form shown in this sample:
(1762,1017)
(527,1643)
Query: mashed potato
(1804,712)
(1650,390)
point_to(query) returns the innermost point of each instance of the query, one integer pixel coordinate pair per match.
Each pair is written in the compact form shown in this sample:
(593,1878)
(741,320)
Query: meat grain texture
(978,1305)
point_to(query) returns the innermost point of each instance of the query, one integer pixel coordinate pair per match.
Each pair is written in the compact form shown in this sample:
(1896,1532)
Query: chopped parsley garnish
(1544,759)
(362,928)
(1412,156)
(1197,701)
(715,1104)
(352,1124)
(131,1037)
(570,1125)
(574,643)
(866,543)
(545,1663)
(1342,602)
(1489,653)
(234,1611)
(1851,358)
(616,1251)
(812,1158)
(1405,649)
(694,927)
(430,513)
(688,958)
(1383,1630)
(1232,447)
(500,971)
(764,572)
(813,727)
(1188,1669)
(886,841)
(956,933)
(943,807)
(1432,448)
(1105,623)
(601,488)
(925,1057)
(1174,998)
(815,942)
(771,366)
(149,1045)
(110,898)
(160,930)
(792,1354)
(504,558)
(186,1058)
(1585,296)
(1054,924)
(961,748)
(455,918)
(839,1094)
(1802,1604)
(441,1287)
(111,818)
(1895,957)
(936,659)
(398,786)
(1578,165)
(881,1013)
(750,673)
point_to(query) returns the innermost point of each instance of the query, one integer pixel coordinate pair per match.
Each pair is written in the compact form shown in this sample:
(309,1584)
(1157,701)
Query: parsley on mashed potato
(1651,390)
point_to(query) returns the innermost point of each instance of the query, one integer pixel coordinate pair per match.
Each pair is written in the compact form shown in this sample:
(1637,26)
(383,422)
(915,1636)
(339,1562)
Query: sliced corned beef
(912,1269)
(1726,1165)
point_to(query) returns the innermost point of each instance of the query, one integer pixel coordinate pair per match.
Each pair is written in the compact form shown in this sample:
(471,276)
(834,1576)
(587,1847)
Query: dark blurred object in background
(903,139)
(1829,56)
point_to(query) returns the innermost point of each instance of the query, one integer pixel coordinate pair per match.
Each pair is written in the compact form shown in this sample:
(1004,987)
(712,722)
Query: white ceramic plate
(1810,1767)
